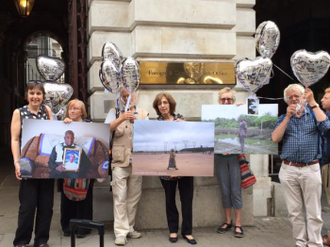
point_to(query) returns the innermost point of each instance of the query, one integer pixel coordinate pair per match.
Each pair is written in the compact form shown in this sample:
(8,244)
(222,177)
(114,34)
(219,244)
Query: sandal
(224,228)
(239,234)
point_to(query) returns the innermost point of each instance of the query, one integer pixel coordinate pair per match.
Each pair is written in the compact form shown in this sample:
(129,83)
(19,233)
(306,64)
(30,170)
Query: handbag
(247,176)
(76,189)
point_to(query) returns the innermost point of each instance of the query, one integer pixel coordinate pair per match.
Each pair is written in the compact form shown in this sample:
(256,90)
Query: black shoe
(239,234)
(224,228)
(67,233)
(173,239)
(190,241)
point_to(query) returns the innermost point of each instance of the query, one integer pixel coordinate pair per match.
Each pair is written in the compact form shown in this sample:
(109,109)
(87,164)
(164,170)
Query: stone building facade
(171,31)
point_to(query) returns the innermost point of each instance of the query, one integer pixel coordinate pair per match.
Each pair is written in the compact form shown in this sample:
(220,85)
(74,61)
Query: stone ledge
(245,23)
(245,3)
(128,15)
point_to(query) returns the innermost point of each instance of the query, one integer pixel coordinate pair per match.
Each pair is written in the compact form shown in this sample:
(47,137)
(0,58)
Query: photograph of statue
(236,131)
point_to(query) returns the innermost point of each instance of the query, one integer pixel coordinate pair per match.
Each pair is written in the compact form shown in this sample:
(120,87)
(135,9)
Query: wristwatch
(314,106)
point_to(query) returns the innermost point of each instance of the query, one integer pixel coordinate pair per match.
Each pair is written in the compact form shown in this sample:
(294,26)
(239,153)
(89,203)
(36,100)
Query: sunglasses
(226,99)
(35,81)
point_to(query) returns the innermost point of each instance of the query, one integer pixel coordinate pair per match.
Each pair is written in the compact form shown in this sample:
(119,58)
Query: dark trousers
(35,194)
(76,210)
(186,190)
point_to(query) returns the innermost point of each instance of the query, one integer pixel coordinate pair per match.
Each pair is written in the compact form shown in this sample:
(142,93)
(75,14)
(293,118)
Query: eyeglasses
(226,99)
(35,81)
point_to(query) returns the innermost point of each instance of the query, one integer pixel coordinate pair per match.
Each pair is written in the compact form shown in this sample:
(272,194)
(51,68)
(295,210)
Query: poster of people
(53,149)
(165,148)
(238,132)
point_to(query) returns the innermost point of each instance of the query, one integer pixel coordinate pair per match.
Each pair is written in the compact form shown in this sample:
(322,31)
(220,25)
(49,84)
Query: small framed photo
(72,159)
(253,105)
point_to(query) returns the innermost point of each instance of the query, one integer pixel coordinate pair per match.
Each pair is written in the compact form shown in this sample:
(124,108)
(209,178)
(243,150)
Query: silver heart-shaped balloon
(110,76)
(130,74)
(267,38)
(50,68)
(57,95)
(253,74)
(309,67)
(111,52)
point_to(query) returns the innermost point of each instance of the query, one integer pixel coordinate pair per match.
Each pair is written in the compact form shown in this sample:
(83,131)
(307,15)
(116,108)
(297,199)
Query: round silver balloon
(110,76)
(253,74)
(309,67)
(130,74)
(50,68)
(57,95)
(267,38)
(111,52)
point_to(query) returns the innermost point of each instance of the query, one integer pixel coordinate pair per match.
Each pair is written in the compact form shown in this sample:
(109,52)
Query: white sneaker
(121,241)
(134,235)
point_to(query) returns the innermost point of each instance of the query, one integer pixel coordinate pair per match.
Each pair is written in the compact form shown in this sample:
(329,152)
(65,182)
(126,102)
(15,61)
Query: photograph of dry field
(165,148)
(237,132)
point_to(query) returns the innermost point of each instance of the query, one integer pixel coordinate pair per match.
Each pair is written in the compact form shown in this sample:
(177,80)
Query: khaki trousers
(326,181)
(302,191)
(127,191)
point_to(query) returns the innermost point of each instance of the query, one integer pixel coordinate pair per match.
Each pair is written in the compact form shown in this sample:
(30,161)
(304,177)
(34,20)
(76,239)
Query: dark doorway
(47,17)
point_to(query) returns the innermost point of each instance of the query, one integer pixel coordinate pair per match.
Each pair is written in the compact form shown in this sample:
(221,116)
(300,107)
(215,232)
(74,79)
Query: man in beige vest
(126,188)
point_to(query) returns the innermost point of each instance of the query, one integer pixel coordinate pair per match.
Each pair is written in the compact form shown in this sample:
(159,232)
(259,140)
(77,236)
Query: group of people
(302,129)
(127,188)
(36,196)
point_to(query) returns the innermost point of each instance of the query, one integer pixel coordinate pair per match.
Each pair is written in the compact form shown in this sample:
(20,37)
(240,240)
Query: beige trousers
(326,181)
(127,191)
(302,191)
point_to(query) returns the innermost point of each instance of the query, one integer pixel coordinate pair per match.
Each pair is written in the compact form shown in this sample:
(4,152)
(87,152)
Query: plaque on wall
(188,73)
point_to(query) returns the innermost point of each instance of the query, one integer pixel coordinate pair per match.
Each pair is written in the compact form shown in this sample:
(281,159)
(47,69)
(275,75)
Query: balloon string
(269,98)
(128,101)
(283,72)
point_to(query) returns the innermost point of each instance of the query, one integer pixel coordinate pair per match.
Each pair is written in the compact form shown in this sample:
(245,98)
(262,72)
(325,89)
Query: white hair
(298,87)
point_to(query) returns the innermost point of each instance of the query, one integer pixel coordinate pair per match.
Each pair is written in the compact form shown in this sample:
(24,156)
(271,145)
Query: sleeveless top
(25,113)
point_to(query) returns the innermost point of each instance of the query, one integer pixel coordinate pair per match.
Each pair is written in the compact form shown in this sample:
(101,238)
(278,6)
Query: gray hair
(293,87)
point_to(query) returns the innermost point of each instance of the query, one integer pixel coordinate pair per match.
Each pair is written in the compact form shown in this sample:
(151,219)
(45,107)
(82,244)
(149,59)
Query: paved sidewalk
(266,232)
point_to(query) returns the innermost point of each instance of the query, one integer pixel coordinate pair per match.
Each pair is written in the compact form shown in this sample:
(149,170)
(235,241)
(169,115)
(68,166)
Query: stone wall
(175,30)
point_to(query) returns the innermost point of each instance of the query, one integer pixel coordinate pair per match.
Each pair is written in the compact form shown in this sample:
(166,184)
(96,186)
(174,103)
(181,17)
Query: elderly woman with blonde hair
(227,168)
(76,194)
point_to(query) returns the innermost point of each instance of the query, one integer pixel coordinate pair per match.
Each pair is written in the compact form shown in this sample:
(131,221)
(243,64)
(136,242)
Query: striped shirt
(301,141)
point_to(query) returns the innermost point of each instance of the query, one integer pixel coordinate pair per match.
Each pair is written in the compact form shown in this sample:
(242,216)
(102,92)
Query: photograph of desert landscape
(169,148)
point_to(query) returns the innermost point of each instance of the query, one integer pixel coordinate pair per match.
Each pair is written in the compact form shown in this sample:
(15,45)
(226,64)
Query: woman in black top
(164,104)
(33,193)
